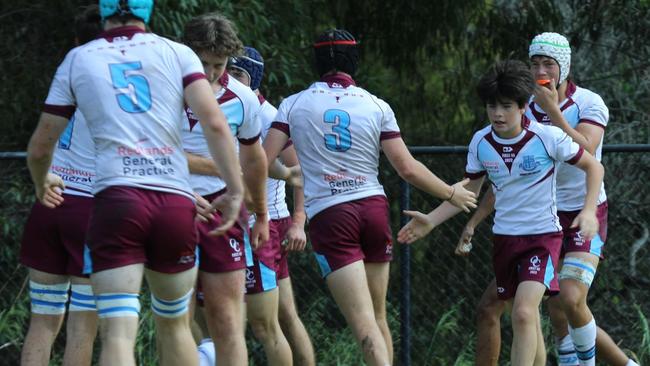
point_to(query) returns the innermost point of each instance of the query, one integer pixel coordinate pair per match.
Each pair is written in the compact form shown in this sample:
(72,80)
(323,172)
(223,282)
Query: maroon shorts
(53,239)
(263,275)
(573,241)
(526,258)
(228,252)
(283,226)
(352,231)
(132,225)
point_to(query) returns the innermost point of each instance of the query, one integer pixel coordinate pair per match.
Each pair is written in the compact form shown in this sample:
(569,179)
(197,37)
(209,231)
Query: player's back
(336,129)
(129,86)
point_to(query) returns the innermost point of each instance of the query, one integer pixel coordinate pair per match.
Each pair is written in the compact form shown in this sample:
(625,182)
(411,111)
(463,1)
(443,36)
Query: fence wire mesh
(444,288)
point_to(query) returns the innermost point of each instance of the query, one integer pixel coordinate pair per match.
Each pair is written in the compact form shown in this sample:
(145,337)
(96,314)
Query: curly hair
(212,33)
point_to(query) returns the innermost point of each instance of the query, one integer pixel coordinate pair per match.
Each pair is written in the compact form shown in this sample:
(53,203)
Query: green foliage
(423,58)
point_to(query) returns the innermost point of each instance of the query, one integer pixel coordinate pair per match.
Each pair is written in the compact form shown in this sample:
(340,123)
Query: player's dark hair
(336,50)
(87,24)
(212,33)
(507,80)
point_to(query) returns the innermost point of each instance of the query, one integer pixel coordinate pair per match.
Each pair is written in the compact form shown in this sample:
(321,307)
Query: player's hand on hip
(260,231)
(417,228)
(229,205)
(587,222)
(296,239)
(465,242)
(461,197)
(50,194)
(203,208)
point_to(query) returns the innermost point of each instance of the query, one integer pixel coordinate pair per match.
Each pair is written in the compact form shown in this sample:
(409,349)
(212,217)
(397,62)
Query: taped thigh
(48,299)
(82,298)
(171,308)
(119,304)
(578,269)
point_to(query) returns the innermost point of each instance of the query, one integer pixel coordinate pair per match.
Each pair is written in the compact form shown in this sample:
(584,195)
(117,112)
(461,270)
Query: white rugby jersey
(241,106)
(580,106)
(74,158)
(275,188)
(336,128)
(129,86)
(522,172)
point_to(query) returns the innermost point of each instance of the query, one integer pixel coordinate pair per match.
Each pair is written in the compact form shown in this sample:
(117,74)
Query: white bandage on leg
(114,305)
(48,299)
(577,269)
(171,308)
(82,298)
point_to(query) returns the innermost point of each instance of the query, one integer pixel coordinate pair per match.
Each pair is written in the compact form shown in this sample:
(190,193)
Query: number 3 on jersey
(136,95)
(341,139)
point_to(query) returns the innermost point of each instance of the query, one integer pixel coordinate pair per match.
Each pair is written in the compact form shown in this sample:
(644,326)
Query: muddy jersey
(129,86)
(74,157)
(275,188)
(580,106)
(240,106)
(336,128)
(522,171)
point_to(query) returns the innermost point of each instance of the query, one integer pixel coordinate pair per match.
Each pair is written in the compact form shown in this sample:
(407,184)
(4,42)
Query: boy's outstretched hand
(419,226)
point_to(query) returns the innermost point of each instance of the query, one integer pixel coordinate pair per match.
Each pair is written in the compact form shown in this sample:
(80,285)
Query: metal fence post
(405,280)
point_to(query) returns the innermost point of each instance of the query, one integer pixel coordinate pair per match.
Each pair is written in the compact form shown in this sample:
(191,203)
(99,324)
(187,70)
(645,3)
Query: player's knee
(171,308)
(82,298)
(117,305)
(572,300)
(262,329)
(48,299)
(523,315)
(489,311)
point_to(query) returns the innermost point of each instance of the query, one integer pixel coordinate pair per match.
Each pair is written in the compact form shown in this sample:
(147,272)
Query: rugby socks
(566,352)
(584,340)
(207,353)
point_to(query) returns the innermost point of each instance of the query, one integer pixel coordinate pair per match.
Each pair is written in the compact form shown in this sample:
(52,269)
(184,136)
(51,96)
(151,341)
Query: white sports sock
(631,363)
(584,340)
(566,352)
(207,354)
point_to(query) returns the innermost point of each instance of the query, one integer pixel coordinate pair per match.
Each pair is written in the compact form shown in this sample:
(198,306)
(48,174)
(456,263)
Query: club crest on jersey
(529,163)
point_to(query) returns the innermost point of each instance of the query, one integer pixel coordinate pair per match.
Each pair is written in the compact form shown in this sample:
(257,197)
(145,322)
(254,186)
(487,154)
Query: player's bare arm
(586,135)
(417,174)
(485,208)
(274,143)
(253,163)
(296,237)
(39,157)
(201,165)
(421,224)
(586,219)
(201,100)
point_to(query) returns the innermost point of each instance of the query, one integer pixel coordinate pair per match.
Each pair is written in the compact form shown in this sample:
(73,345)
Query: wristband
(453,191)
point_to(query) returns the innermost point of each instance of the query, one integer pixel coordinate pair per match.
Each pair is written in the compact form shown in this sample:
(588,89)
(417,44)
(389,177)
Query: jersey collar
(127,31)
(338,80)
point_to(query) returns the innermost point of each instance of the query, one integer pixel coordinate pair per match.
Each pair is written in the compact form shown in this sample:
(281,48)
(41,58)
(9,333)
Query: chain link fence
(432,293)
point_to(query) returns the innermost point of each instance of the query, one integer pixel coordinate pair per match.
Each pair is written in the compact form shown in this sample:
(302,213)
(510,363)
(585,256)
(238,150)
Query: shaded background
(423,58)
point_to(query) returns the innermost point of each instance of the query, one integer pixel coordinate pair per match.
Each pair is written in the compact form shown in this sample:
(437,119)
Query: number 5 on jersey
(135,96)
(341,139)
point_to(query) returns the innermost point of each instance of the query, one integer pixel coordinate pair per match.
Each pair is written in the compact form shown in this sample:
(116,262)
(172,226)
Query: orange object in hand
(543,81)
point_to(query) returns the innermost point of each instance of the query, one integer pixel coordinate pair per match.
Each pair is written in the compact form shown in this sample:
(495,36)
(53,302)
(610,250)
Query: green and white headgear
(555,46)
